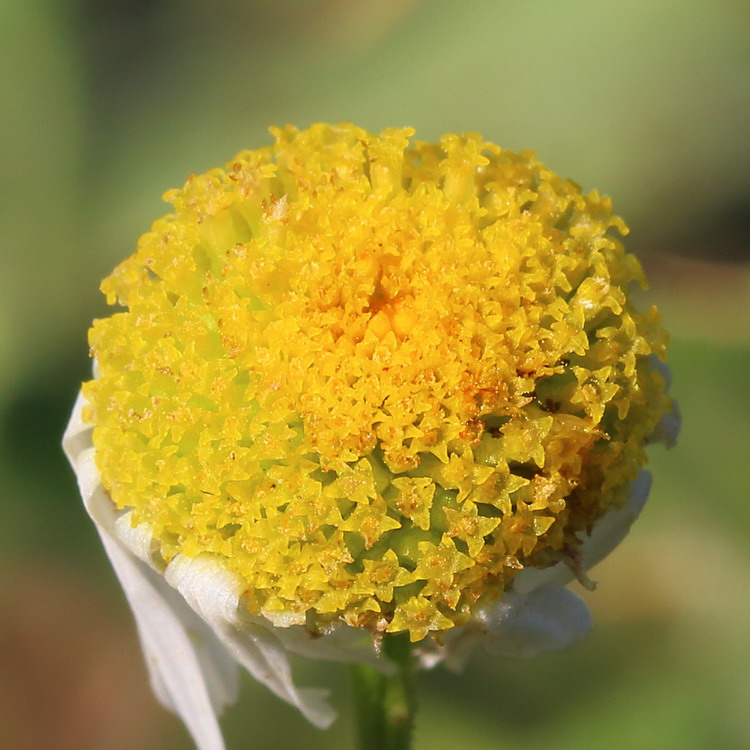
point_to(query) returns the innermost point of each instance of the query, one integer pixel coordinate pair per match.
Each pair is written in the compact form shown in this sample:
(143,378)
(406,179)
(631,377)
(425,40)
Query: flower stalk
(386,704)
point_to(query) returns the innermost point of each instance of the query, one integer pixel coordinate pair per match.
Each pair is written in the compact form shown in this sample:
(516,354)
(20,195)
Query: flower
(364,386)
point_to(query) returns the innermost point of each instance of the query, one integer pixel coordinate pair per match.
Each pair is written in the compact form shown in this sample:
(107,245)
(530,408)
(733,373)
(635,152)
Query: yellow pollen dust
(375,377)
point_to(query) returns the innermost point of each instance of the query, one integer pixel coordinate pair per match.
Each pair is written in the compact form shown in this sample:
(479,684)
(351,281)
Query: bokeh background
(108,103)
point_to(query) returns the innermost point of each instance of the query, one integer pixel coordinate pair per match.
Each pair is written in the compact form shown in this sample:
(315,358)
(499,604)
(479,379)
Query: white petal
(173,647)
(455,649)
(77,437)
(343,644)
(313,703)
(138,539)
(219,668)
(549,618)
(614,526)
(170,652)
(214,593)
(668,428)
(609,531)
(662,368)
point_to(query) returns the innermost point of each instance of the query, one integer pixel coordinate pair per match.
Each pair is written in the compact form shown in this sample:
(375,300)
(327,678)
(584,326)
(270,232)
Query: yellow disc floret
(375,378)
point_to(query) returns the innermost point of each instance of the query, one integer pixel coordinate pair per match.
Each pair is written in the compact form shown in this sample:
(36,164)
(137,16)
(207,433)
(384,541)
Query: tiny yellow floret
(374,376)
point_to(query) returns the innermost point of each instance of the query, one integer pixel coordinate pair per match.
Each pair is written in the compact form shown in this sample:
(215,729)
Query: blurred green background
(108,103)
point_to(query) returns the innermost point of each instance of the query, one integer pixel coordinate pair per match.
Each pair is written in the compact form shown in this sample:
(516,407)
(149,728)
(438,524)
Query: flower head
(373,385)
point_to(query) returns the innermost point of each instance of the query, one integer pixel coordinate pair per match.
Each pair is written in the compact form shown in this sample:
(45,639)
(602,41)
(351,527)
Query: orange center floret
(375,378)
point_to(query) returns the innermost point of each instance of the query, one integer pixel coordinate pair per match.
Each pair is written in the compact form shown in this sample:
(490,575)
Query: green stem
(386,703)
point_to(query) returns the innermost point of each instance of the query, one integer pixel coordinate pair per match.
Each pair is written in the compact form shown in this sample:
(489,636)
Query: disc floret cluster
(375,377)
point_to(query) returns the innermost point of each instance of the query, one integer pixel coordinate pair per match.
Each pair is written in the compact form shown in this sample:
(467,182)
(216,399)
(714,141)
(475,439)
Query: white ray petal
(219,667)
(523,625)
(343,644)
(214,593)
(455,649)
(547,619)
(171,655)
(609,531)
(668,428)
(252,640)
(138,539)
(77,437)
(614,526)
